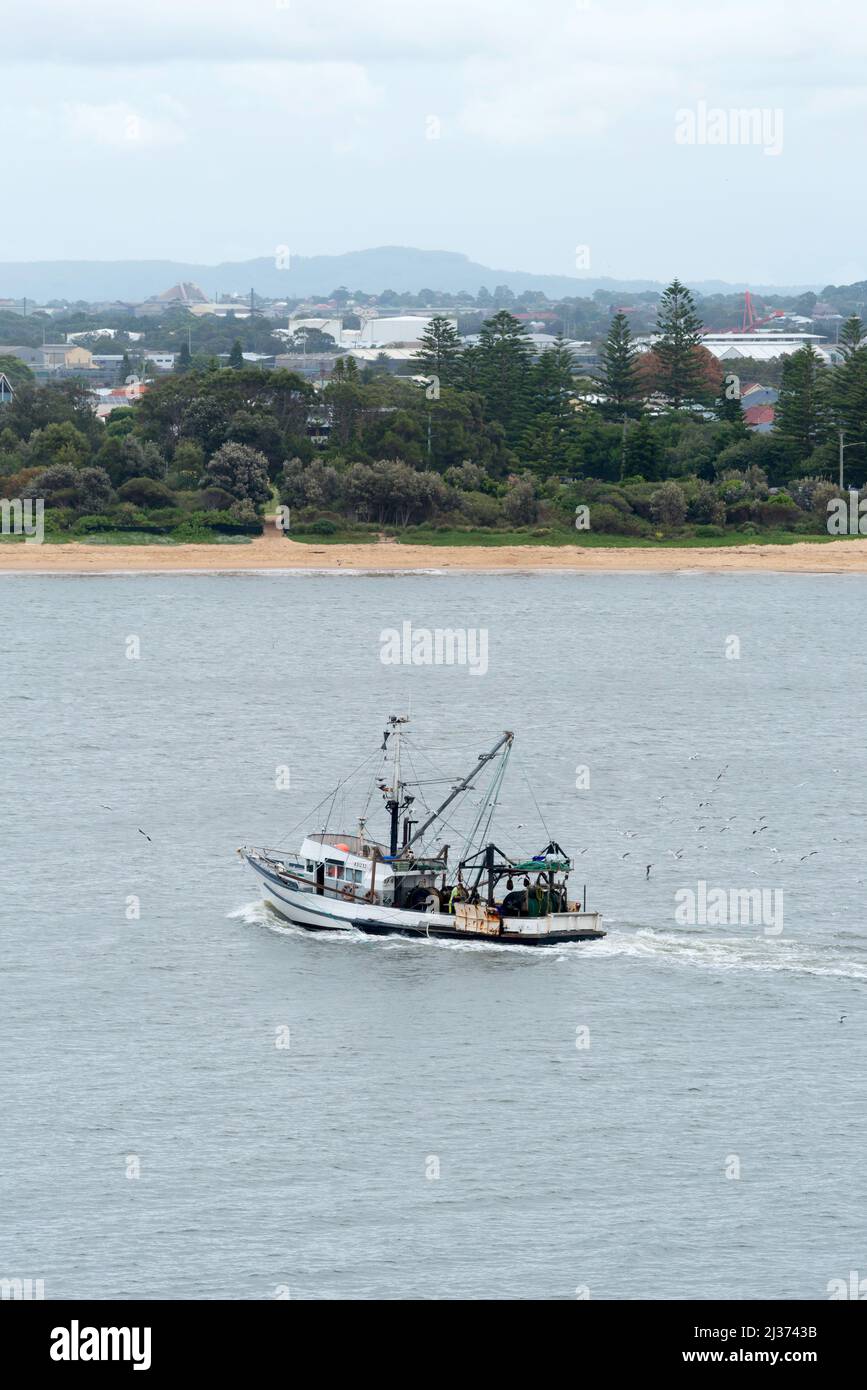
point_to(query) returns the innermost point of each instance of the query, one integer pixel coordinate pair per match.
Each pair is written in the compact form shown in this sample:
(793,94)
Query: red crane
(750,321)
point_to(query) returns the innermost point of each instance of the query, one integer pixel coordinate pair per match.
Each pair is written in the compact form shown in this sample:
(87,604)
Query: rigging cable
(308,816)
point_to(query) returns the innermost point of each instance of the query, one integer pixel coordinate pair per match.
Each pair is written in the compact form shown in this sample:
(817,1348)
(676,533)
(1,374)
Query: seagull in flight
(147,837)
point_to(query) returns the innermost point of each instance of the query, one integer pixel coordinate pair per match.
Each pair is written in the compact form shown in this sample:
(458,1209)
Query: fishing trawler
(354,882)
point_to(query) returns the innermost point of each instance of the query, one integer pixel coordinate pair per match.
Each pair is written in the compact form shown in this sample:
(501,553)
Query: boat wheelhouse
(355,881)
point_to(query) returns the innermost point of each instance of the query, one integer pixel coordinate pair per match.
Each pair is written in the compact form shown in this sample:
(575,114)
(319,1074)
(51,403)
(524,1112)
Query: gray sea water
(436,1127)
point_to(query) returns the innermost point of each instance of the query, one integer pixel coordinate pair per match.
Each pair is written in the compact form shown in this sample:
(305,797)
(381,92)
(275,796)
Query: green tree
(345,369)
(680,376)
(801,417)
(851,336)
(15,371)
(240,471)
(261,432)
(184,359)
(550,443)
(503,372)
(439,351)
(619,377)
(642,452)
(847,397)
(728,403)
(58,443)
(236,356)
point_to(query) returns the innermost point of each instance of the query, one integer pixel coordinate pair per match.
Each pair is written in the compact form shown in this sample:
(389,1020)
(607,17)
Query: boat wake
(692,949)
(710,950)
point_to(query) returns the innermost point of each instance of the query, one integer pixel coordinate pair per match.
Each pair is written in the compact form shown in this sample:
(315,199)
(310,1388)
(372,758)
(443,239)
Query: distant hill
(400,268)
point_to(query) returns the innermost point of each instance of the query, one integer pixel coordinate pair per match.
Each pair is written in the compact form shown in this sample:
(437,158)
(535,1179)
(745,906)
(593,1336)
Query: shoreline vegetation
(273,550)
(487,446)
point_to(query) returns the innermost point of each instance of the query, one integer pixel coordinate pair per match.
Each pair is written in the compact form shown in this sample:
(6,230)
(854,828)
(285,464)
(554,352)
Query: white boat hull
(332,911)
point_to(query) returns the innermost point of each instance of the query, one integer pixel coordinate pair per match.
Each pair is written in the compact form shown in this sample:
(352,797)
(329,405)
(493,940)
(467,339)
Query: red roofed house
(760,418)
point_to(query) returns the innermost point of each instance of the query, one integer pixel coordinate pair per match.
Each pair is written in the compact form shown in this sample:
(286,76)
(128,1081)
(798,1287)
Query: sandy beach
(274,551)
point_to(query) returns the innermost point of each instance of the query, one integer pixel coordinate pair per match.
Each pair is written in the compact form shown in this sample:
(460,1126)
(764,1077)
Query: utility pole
(856,444)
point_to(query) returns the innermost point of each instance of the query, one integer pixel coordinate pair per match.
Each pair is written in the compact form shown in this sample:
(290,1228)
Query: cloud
(322,110)
(223,31)
(117,125)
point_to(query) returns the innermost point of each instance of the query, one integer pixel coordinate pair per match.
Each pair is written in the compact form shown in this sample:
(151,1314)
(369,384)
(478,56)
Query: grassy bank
(584,540)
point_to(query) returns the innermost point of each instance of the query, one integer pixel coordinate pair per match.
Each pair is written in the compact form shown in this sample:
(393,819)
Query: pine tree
(848,392)
(801,416)
(680,373)
(851,336)
(236,356)
(124,371)
(642,452)
(503,372)
(619,377)
(553,382)
(439,351)
(550,442)
(728,403)
(184,359)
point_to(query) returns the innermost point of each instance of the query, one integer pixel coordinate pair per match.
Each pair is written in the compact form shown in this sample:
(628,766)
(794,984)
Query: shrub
(89,525)
(241,519)
(822,494)
(128,518)
(80,489)
(214,499)
(466,477)
(181,481)
(189,533)
(706,506)
(668,505)
(481,510)
(606,518)
(779,510)
(146,492)
(519,504)
(615,499)
(16,484)
(632,525)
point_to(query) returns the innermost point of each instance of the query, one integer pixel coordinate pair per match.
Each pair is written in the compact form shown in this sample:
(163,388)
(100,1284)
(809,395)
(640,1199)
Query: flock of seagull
(708,823)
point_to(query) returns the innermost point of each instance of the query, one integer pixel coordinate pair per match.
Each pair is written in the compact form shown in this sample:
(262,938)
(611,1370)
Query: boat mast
(394,803)
(506,739)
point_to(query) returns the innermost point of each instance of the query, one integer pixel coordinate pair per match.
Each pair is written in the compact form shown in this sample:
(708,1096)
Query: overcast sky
(208,130)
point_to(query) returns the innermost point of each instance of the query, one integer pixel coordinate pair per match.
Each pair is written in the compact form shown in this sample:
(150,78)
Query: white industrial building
(399,330)
(761,345)
(765,345)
